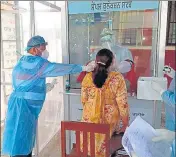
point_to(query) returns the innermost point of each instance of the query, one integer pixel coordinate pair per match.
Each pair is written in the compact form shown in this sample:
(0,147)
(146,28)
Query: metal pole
(17,30)
(32,19)
(65,59)
(32,33)
(88,36)
(154,113)
(161,45)
(160,54)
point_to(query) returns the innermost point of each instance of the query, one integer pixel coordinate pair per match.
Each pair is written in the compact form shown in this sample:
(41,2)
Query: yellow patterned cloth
(106,105)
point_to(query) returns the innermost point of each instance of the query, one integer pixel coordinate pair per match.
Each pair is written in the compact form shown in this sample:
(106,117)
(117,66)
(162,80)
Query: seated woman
(104,99)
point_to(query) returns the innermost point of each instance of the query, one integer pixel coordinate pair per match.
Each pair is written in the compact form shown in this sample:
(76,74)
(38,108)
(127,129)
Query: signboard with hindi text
(83,7)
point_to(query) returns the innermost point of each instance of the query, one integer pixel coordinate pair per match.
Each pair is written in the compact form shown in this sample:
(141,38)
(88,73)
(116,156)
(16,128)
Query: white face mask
(45,54)
(107,45)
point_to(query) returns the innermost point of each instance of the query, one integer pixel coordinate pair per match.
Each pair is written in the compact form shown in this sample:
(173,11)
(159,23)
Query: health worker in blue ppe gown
(123,59)
(121,53)
(169,98)
(28,95)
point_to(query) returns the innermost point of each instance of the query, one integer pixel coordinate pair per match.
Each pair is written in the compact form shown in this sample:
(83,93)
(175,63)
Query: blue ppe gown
(169,99)
(26,101)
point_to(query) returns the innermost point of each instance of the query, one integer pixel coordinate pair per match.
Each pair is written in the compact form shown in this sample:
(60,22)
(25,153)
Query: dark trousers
(30,155)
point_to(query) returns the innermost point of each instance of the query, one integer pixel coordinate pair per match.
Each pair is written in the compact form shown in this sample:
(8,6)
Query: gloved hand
(133,154)
(90,67)
(169,71)
(54,81)
(50,86)
(157,87)
(124,67)
(164,135)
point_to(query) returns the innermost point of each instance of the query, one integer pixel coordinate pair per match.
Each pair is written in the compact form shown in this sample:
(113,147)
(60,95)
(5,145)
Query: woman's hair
(103,59)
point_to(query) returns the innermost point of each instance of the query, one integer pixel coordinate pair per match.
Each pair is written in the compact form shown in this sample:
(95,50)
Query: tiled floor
(53,149)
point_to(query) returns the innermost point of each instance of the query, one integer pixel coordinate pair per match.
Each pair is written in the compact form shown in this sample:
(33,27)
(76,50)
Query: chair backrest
(85,128)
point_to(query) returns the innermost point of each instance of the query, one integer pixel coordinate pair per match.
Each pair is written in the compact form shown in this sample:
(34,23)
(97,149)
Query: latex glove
(169,71)
(124,67)
(54,81)
(157,87)
(164,135)
(133,154)
(92,63)
(50,86)
(90,67)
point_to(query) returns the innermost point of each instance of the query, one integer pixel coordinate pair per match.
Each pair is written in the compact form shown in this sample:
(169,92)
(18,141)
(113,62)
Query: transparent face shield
(106,42)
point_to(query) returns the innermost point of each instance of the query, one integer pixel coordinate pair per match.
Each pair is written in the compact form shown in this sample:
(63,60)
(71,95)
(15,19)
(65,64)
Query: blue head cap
(35,41)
